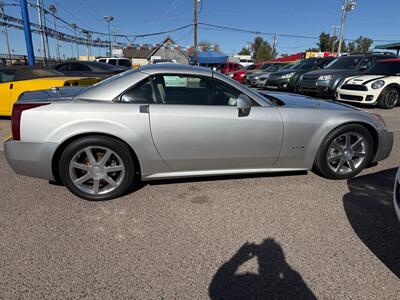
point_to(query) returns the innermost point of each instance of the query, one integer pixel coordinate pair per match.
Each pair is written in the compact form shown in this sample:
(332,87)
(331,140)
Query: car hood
(364,79)
(289,100)
(52,95)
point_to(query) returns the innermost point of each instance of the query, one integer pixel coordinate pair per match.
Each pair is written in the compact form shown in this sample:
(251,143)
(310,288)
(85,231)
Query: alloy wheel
(96,170)
(391,98)
(347,153)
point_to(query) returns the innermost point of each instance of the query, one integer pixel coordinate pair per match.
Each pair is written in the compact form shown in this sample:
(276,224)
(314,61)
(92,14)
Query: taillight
(18,108)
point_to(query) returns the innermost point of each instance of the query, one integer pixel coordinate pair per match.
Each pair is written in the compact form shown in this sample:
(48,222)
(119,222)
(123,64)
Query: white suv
(119,62)
(380,86)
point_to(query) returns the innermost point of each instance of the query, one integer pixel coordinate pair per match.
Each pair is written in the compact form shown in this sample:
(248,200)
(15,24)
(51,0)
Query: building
(167,51)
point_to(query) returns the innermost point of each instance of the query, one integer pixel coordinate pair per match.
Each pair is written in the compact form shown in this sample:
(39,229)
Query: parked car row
(371,78)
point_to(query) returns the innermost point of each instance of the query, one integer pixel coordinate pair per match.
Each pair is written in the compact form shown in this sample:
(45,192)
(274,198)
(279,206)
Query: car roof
(175,69)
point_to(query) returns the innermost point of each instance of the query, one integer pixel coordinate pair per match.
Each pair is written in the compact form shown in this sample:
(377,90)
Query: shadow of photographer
(275,278)
(370,211)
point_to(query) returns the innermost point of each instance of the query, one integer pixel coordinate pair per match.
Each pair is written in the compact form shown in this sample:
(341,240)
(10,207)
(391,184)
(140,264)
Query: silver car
(174,121)
(396,194)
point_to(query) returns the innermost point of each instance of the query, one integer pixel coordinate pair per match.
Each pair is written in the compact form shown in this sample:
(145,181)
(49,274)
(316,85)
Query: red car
(240,75)
(229,67)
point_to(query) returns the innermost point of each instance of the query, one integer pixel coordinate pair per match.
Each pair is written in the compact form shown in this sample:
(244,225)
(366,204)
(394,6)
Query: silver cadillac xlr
(174,121)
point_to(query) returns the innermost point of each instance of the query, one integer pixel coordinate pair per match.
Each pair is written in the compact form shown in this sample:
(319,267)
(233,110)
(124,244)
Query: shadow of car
(369,209)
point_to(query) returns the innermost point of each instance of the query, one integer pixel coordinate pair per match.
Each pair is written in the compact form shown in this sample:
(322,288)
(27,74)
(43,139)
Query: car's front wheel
(97,168)
(389,97)
(345,152)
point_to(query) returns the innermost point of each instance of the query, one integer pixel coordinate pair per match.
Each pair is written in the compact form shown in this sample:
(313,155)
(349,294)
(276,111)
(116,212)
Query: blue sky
(376,19)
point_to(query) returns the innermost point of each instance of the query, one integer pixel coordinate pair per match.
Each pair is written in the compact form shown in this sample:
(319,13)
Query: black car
(323,83)
(287,79)
(88,68)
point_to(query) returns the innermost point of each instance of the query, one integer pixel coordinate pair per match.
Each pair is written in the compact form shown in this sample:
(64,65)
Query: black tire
(324,167)
(389,97)
(120,153)
(297,89)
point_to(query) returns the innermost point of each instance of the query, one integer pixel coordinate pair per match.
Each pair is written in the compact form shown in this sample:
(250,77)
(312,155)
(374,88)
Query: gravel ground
(258,237)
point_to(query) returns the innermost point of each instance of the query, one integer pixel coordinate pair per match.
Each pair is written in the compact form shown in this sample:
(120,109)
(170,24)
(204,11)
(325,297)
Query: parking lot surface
(268,236)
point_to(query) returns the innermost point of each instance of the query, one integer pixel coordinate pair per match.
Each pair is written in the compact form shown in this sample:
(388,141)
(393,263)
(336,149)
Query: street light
(108,20)
(348,5)
(74,26)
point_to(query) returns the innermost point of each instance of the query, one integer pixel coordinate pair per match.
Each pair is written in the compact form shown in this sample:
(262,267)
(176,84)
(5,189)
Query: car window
(112,62)
(103,60)
(385,68)
(366,63)
(194,90)
(141,93)
(64,67)
(345,62)
(7,76)
(79,67)
(125,63)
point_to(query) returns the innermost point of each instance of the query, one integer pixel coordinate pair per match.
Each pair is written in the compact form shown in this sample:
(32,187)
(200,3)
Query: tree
(262,50)
(206,45)
(313,49)
(245,51)
(325,42)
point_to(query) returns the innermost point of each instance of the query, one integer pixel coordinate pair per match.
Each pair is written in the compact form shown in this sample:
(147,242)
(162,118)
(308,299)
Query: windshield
(385,68)
(251,67)
(345,62)
(274,67)
(287,67)
(264,66)
(306,64)
(100,66)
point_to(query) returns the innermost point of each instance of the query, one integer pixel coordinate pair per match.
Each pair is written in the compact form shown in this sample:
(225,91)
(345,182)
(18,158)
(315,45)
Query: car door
(203,131)
(6,85)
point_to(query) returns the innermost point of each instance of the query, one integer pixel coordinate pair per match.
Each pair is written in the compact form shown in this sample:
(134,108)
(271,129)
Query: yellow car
(19,79)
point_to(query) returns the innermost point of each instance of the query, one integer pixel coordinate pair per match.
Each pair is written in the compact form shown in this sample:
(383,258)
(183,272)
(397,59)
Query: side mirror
(243,105)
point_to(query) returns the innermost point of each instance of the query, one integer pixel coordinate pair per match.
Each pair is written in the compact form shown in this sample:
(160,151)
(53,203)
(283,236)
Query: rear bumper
(31,159)
(385,145)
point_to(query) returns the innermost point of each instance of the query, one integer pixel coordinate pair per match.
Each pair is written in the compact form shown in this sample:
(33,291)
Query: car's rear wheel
(97,168)
(345,152)
(389,98)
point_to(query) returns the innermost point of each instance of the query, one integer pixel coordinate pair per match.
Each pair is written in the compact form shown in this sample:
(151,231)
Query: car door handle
(11,86)
(144,109)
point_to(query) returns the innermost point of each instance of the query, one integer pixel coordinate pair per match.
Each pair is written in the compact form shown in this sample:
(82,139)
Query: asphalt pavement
(282,236)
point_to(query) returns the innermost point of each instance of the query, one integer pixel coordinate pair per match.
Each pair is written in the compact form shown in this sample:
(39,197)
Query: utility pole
(74,26)
(334,38)
(348,5)
(27,30)
(6,34)
(53,9)
(42,34)
(274,43)
(195,56)
(108,20)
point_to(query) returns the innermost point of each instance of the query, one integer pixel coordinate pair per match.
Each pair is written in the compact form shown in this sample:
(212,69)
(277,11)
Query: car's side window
(7,76)
(141,93)
(194,90)
(79,67)
(112,62)
(365,64)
